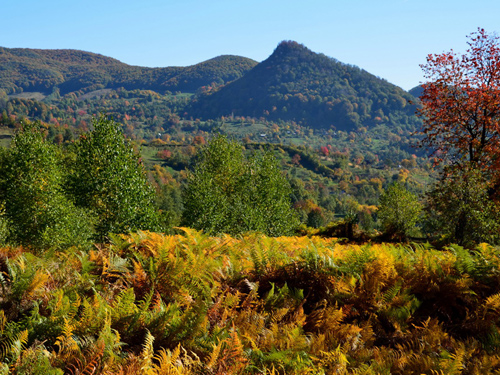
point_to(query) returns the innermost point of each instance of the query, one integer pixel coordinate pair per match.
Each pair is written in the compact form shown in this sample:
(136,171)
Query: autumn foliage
(194,304)
(461,115)
(461,103)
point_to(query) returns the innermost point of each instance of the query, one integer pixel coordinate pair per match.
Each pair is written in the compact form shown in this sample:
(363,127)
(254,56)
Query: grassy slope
(5,136)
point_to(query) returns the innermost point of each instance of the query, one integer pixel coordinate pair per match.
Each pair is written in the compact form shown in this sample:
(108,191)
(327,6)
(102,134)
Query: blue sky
(388,38)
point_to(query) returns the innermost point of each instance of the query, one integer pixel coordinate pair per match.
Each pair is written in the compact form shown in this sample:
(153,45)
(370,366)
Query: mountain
(417,91)
(293,84)
(23,69)
(297,84)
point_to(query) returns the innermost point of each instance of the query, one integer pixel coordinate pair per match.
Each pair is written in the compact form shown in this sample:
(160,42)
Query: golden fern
(12,347)
(139,278)
(453,364)
(491,305)
(168,363)
(214,355)
(147,353)
(335,361)
(232,360)
(67,346)
(3,321)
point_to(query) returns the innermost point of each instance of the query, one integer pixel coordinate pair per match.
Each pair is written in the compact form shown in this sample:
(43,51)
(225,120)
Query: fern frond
(233,358)
(391,293)
(492,303)
(260,258)
(453,364)
(3,321)
(334,361)
(124,304)
(147,353)
(12,347)
(90,364)
(214,355)
(66,343)
(139,277)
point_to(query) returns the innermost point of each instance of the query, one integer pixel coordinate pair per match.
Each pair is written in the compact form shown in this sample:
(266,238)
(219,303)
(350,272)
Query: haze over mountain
(297,84)
(23,69)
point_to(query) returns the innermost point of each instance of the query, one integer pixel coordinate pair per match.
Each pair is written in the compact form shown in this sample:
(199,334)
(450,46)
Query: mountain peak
(289,46)
(296,84)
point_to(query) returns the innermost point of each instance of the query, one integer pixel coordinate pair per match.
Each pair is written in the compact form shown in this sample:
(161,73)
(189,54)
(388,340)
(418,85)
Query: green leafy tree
(4,221)
(37,210)
(350,208)
(399,211)
(316,218)
(169,202)
(228,193)
(109,179)
(460,208)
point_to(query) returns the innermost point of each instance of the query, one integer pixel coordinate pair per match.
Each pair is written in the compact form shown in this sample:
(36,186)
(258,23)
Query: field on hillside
(5,137)
(193,304)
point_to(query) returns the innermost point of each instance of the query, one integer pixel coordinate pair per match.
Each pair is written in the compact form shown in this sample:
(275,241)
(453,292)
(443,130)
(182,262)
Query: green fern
(260,258)
(12,346)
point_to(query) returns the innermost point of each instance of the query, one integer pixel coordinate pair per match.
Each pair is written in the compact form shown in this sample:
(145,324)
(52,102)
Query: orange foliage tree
(461,115)
(461,104)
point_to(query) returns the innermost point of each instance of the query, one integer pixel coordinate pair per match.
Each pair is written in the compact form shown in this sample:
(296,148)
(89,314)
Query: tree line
(58,197)
(97,185)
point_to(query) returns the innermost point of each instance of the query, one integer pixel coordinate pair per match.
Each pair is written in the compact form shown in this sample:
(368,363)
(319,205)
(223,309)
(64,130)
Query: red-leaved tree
(461,116)
(461,104)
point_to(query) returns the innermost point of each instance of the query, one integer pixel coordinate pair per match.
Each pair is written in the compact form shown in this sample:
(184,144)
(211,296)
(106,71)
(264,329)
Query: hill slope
(297,84)
(417,91)
(23,69)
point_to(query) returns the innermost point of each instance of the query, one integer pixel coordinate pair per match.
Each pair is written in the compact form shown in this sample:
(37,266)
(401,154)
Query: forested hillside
(417,91)
(299,85)
(340,134)
(71,70)
(293,84)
